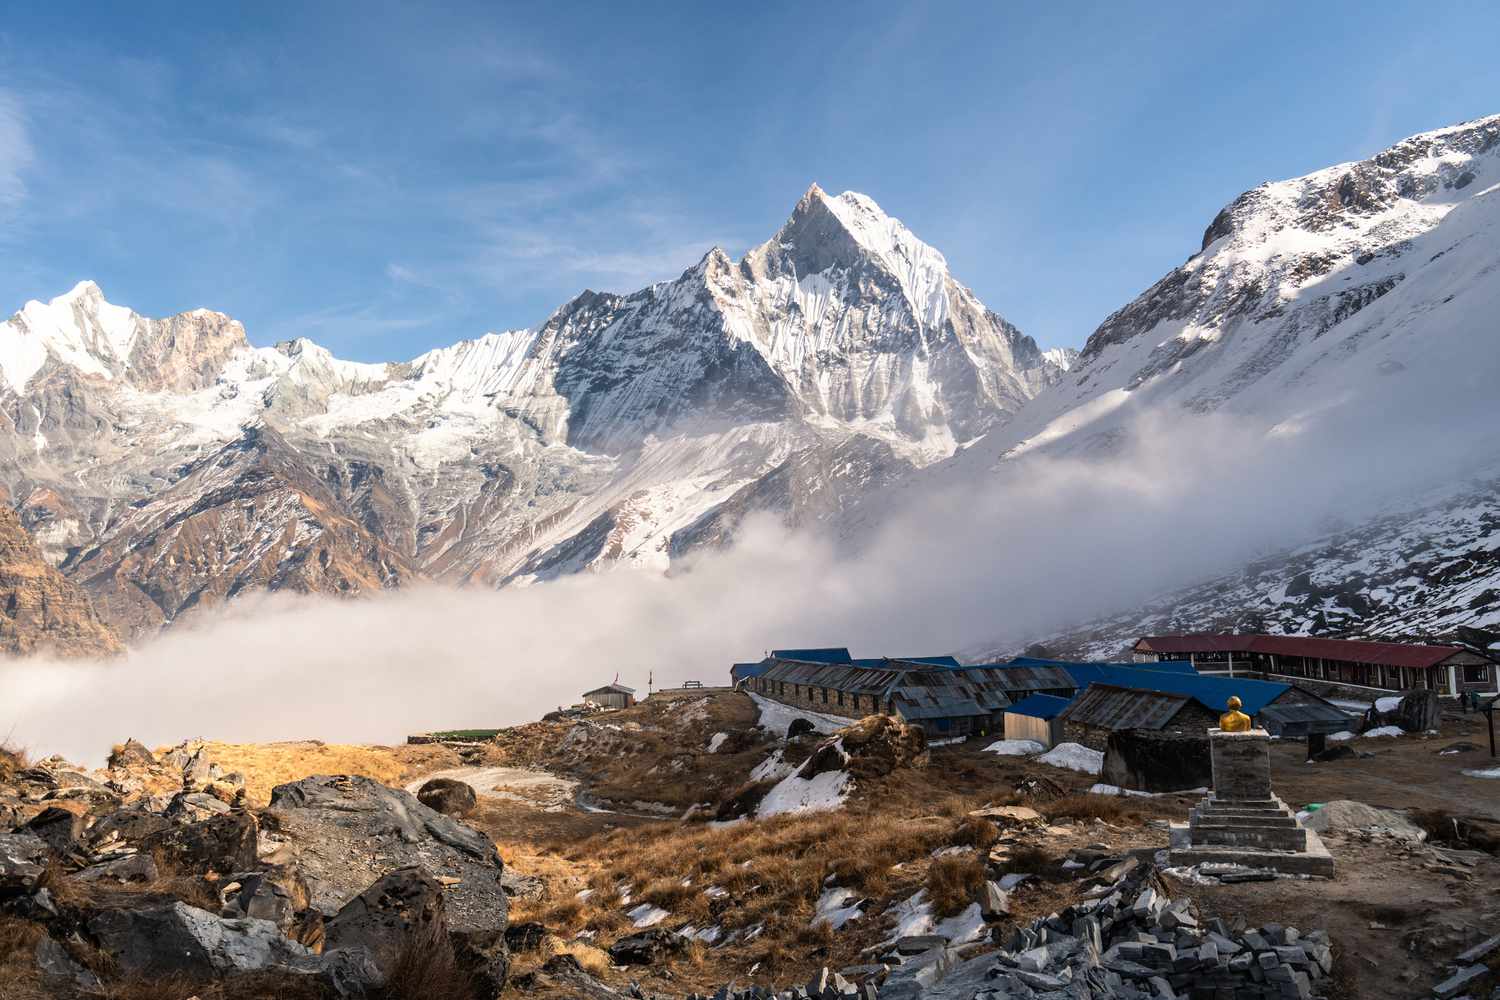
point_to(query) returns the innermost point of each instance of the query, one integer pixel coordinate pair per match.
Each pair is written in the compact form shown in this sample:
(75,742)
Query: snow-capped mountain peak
(78,328)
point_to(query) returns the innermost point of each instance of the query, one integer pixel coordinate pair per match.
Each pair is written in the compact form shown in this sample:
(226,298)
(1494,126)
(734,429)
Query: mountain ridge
(589,440)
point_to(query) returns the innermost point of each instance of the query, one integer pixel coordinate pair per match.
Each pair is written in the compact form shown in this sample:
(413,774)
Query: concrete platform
(1315,860)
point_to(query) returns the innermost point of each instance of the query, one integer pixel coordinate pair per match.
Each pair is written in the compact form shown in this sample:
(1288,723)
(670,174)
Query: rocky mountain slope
(1426,572)
(167,465)
(40,609)
(1341,326)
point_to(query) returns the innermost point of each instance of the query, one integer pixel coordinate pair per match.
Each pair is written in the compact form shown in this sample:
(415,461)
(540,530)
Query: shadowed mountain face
(40,609)
(168,466)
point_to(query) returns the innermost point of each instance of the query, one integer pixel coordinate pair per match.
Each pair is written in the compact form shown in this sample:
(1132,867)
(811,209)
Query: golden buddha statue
(1234,721)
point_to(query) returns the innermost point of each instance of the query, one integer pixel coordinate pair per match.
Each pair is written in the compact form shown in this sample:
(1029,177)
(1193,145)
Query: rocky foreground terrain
(706,844)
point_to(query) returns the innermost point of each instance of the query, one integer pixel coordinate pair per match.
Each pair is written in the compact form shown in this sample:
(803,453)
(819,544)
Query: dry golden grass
(266,765)
(976,832)
(1110,808)
(953,881)
(12,759)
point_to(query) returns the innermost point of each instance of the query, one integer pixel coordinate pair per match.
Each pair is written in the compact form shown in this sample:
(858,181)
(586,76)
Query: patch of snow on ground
(1488,772)
(835,910)
(1009,882)
(1387,704)
(716,741)
(912,916)
(647,915)
(1074,757)
(793,794)
(777,717)
(1381,731)
(773,768)
(1015,748)
(967,926)
(1341,737)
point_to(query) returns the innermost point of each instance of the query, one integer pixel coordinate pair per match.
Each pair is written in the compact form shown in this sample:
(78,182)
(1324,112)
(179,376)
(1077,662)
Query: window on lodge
(1475,673)
(841,697)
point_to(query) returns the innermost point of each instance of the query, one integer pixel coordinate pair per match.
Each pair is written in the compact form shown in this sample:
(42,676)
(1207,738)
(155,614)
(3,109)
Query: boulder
(133,868)
(277,894)
(800,727)
(344,832)
(400,915)
(484,957)
(175,939)
(133,824)
(190,807)
(563,976)
(525,937)
(1146,760)
(1009,816)
(1417,712)
(447,796)
(131,754)
(59,827)
(1344,815)
(879,744)
(58,967)
(23,860)
(221,844)
(646,947)
(994,902)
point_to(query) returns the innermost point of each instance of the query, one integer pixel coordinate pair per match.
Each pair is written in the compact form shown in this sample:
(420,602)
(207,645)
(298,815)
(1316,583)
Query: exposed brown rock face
(253,516)
(40,609)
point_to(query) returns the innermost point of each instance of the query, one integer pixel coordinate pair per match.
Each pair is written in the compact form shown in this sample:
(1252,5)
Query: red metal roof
(1390,654)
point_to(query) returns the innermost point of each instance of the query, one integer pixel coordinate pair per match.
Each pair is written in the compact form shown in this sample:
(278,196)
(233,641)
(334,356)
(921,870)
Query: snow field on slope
(776,717)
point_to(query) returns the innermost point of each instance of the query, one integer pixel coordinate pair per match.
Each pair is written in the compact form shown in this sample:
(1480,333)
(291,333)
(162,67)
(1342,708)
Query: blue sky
(385,179)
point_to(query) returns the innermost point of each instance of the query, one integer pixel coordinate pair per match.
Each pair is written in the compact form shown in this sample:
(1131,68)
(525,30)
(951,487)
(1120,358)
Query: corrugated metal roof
(1039,706)
(1111,707)
(1391,654)
(819,654)
(839,677)
(610,689)
(922,705)
(1028,678)
(936,661)
(1212,692)
(1300,720)
(742,671)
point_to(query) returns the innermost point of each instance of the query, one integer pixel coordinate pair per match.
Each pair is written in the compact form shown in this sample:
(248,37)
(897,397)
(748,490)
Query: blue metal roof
(1211,692)
(744,671)
(937,661)
(1039,706)
(822,654)
(1162,666)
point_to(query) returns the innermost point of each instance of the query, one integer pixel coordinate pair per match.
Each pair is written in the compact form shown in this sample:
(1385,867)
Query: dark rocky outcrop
(646,947)
(447,796)
(220,844)
(175,939)
(343,832)
(400,915)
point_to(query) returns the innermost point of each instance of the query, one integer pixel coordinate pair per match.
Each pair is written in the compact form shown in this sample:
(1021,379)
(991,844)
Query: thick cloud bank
(1038,544)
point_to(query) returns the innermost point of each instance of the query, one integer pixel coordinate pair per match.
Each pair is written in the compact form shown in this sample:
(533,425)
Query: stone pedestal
(1242,822)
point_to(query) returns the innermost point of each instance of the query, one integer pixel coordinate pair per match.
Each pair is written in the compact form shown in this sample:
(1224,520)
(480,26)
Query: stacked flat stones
(1128,942)
(1242,821)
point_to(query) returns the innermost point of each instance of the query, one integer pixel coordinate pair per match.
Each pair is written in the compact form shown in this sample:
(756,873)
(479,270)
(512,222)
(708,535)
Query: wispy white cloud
(17,153)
